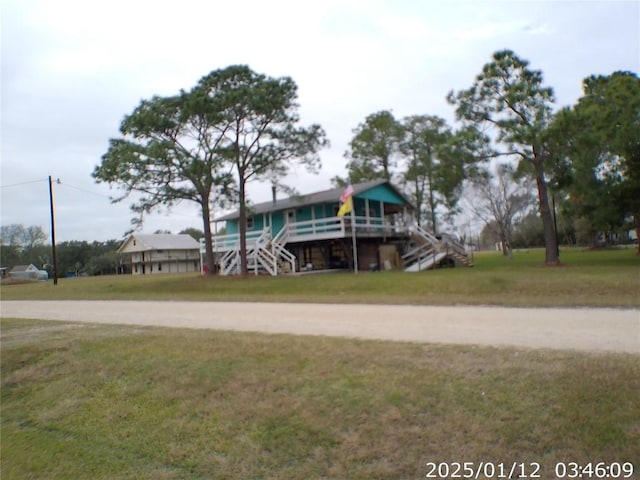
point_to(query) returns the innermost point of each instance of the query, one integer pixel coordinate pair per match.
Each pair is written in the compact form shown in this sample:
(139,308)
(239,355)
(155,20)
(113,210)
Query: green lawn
(83,401)
(607,278)
(111,402)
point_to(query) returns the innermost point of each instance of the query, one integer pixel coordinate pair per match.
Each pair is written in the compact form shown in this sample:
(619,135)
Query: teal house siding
(232,228)
(375,208)
(383,193)
(324,211)
(278,222)
(303,214)
(320,205)
(373,236)
(258,223)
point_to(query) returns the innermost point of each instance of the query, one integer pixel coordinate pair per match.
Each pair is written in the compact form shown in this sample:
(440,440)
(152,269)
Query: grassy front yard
(110,402)
(587,278)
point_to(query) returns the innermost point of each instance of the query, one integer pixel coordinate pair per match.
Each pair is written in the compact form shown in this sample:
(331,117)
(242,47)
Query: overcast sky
(71,70)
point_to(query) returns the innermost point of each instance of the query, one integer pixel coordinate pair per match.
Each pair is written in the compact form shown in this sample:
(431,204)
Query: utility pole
(53,235)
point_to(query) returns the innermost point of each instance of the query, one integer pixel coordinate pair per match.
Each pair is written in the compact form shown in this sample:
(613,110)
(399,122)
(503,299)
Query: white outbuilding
(161,253)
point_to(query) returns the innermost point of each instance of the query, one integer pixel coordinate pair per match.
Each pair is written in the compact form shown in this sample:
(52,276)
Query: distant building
(161,253)
(28,272)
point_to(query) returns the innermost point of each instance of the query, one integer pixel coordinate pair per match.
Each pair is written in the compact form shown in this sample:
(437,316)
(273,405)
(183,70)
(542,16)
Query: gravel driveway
(577,329)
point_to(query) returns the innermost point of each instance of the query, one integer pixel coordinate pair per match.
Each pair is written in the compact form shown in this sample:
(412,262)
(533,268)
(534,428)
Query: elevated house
(304,233)
(161,253)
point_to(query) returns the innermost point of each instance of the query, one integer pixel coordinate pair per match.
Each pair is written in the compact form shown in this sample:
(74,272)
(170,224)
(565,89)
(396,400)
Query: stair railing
(428,245)
(278,243)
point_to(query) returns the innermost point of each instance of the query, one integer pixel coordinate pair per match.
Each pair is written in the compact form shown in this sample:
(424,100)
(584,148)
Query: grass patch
(96,401)
(608,278)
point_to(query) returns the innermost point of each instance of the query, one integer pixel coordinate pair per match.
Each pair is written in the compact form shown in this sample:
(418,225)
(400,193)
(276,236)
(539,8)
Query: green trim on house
(319,205)
(383,193)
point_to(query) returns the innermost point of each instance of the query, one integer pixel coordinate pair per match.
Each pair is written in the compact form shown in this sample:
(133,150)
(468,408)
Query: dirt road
(577,329)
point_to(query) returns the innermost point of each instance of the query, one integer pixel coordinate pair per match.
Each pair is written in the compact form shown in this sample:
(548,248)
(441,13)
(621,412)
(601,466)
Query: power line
(24,183)
(58,182)
(82,189)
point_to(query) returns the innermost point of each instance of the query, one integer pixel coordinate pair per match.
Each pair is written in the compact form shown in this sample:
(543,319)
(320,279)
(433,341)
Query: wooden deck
(315,230)
(269,254)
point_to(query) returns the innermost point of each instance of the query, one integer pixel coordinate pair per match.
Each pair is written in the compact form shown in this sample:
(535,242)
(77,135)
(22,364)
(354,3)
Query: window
(160,251)
(249,223)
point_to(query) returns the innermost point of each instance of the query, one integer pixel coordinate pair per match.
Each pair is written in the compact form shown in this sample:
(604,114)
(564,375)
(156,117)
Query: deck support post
(353,238)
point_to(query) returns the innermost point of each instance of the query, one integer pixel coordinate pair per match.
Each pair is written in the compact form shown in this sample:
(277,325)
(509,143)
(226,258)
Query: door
(289,220)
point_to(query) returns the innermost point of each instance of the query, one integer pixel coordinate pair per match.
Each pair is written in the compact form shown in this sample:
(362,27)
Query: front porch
(305,245)
(327,243)
(305,233)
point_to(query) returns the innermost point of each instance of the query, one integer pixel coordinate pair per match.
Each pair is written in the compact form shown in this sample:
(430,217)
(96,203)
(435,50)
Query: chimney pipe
(273,193)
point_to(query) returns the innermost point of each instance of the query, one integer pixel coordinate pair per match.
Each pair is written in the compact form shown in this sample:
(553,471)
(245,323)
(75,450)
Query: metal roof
(296,201)
(158,241)
(24,268)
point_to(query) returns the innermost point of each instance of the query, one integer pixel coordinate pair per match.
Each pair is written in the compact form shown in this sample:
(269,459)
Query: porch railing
(270,255)
(339,227)
(318,229)
(278,247)
(429,250)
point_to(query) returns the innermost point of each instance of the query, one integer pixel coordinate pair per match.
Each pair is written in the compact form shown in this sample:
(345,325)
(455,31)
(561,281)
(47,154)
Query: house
(161,253)
(30,272)
(303,233)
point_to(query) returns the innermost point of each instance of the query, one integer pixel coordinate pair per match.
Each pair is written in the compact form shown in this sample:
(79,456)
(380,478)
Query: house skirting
(168,266)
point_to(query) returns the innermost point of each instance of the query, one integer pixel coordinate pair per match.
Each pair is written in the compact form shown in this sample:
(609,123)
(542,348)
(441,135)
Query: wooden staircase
(456,250)
(428,251)
(265,256)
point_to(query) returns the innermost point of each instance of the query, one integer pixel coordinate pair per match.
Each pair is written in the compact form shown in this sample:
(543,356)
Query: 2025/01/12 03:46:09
(594,470)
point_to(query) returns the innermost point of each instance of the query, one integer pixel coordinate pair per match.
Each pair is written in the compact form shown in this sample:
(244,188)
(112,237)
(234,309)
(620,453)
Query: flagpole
(348,207)
(353,238)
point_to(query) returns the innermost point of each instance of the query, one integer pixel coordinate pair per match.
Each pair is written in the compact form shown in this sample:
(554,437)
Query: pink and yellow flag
(348,192)
(347,201)
(346,207)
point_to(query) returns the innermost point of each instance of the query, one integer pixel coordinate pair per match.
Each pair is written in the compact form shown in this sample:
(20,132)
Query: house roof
(24,268)
(296,201)
(158,241)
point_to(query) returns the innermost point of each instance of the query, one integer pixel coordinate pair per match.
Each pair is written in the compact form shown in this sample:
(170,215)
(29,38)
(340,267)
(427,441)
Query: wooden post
(353,237)
(53,235)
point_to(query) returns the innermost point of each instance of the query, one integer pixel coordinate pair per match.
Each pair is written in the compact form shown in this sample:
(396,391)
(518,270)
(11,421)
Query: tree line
(20,245)
(512,158)
(510,153)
